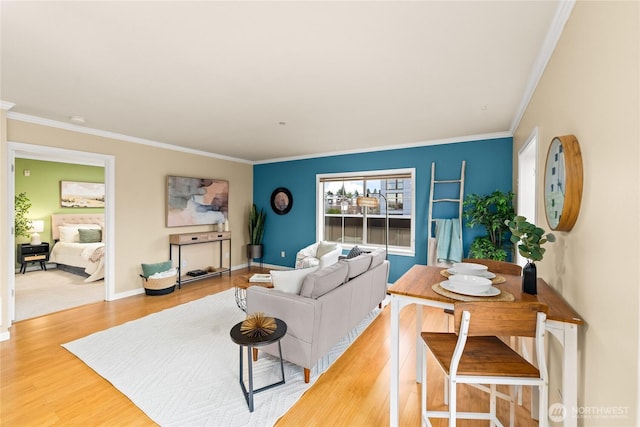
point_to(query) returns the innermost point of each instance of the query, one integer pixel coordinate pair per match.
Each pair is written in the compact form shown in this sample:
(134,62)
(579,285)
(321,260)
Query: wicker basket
(162,286)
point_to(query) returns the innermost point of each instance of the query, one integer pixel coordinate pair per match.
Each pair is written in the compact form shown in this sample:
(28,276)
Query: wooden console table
(180,240)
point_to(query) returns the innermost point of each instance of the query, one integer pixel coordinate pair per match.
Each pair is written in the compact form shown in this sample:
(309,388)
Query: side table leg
(281,362)
(250,378)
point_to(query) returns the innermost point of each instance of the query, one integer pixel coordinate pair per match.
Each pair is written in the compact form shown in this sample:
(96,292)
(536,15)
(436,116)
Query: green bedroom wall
(42,187)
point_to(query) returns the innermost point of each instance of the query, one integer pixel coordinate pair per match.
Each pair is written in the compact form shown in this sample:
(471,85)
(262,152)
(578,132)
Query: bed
(79,244)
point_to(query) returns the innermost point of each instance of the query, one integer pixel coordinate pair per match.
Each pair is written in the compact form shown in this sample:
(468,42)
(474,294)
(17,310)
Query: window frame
(393,250)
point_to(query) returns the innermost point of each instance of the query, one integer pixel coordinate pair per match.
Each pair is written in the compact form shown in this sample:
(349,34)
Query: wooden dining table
(416,287)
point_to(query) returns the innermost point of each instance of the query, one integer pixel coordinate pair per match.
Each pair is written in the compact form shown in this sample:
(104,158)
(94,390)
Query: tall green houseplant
(256,232)
(490,211)
(22,223)
(256,225)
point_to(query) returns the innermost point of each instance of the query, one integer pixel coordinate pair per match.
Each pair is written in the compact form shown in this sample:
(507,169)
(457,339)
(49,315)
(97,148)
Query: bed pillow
(68,234)
(88,235)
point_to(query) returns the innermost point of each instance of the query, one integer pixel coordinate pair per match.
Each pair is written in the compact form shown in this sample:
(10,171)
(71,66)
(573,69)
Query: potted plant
(490,211)
(529,240)
(256,232)
(22,224)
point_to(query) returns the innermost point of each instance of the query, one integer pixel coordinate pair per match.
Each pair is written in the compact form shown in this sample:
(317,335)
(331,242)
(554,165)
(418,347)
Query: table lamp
(37,226)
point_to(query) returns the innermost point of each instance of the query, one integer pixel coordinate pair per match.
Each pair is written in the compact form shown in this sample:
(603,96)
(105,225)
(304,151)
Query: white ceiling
(270,80)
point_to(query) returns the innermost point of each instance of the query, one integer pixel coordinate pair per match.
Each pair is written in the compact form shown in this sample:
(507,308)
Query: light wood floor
(42,384)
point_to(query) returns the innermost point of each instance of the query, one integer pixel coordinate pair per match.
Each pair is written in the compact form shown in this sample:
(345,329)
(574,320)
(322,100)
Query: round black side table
(250,342)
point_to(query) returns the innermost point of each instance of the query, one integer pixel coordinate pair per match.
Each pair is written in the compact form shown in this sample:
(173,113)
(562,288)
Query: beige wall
(140,174)
(591,89)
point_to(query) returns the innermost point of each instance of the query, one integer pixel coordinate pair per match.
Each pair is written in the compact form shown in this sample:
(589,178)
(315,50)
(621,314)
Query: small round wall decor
(281,201)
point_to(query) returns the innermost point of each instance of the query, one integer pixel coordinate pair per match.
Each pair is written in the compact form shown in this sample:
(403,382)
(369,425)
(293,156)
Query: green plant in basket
(529,238)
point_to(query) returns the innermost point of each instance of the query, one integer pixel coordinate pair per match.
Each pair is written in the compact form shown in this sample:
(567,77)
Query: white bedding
(81,255)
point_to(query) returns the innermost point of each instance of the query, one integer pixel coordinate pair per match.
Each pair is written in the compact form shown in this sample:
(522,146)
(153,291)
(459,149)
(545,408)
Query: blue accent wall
(489,168)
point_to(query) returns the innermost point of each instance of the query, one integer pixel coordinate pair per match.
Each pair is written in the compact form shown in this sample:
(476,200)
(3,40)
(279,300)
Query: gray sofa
(331,302)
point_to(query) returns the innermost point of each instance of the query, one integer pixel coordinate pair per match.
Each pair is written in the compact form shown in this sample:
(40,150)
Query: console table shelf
(180,240)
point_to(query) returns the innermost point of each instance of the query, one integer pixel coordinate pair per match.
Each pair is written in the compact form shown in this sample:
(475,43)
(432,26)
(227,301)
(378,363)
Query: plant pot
(529,279)
(254,251)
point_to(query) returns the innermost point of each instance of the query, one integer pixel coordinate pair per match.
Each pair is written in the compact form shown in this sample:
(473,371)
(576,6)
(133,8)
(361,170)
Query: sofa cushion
(357,265)
(324,280)
(290,281)
(377,257)
(324,248)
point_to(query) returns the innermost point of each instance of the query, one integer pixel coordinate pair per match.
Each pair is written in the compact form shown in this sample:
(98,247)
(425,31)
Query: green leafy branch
(529,238)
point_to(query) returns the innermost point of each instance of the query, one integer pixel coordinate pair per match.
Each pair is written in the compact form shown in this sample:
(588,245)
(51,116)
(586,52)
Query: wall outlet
(184,263)
(282,254)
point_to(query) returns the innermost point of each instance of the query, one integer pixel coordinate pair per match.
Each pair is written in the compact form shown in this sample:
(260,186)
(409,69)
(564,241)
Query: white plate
(485,274)
(492,292)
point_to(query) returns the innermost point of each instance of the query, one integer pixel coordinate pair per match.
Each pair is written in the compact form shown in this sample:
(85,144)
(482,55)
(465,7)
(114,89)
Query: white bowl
(468,283)
(469,268)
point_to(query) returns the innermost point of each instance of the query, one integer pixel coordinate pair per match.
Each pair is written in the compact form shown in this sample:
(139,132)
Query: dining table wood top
(418,280)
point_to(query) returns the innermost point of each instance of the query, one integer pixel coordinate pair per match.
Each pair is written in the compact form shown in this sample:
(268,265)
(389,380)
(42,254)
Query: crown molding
(455,140)
(563,12)
(112,135)
(4,105)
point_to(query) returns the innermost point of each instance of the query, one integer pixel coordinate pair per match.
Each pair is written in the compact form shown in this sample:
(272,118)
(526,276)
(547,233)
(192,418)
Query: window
(340,219)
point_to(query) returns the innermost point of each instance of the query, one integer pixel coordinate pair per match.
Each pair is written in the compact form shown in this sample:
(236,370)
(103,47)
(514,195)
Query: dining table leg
(394,366)
(567,335)
(419,346)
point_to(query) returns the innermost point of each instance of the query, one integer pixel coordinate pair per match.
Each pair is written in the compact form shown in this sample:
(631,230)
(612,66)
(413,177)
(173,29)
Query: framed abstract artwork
(196,201)
(81,194)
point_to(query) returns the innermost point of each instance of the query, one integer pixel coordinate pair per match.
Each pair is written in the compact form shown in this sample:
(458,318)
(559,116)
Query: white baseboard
(126,294)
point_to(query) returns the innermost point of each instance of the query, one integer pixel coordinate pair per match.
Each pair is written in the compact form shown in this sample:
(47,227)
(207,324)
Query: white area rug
(180,367)
(43,292)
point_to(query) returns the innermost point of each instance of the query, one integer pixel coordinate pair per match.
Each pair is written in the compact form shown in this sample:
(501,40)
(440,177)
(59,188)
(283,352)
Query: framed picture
(281,201)
(195,201)
(81,194)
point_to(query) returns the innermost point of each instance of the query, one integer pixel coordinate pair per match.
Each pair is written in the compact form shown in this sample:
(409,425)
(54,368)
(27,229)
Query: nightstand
(31,253)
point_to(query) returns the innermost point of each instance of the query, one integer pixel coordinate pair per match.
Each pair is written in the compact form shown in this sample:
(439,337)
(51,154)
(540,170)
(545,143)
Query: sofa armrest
(302,315)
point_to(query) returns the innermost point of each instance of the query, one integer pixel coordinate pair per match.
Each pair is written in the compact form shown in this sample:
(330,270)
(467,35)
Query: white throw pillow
(324,248)
(290,281)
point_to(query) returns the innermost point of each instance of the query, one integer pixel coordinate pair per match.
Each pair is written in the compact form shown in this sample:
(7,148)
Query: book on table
(260,278)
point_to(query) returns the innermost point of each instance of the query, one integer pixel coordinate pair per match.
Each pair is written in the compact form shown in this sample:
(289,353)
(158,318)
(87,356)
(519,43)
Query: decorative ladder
(434,182)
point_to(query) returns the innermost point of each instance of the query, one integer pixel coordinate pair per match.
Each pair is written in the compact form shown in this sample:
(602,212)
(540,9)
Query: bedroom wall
(140,175)
(489,167)
(42,187)
(591,88)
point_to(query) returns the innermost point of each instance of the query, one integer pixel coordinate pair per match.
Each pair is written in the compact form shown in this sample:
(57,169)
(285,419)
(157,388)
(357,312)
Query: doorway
(59,155)
(527,194)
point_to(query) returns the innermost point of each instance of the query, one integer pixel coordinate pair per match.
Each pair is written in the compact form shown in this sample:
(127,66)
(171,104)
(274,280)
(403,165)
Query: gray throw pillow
(354,252)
